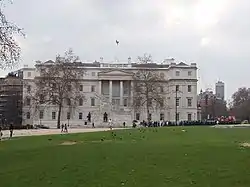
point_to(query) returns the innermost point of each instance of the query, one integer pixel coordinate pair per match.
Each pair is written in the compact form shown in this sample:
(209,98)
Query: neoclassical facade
(108,91)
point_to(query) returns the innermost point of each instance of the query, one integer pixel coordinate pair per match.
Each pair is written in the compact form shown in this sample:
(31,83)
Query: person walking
(110,124)
(62,126)
(1,134)
(11,130)
(66,128)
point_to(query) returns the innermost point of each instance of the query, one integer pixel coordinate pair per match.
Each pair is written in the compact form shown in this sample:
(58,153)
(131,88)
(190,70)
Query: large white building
(104,83)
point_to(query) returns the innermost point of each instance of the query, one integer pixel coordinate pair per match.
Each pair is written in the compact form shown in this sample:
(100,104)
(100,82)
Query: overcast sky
(213,33)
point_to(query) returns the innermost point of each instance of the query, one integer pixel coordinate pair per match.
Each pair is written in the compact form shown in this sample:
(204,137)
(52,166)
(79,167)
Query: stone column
(131,93)
(100,88)
(121,93)
(110,91)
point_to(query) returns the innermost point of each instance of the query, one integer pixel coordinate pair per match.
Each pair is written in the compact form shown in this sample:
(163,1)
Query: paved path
(39,132)
(232,126)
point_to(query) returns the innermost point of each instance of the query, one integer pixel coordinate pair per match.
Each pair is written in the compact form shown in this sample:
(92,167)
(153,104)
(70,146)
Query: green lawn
(201,157)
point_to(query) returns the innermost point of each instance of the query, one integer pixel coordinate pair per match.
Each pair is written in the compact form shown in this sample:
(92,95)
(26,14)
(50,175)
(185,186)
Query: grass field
(200,156)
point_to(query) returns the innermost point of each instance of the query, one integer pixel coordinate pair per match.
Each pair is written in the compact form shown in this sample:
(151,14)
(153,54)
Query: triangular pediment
(115,73)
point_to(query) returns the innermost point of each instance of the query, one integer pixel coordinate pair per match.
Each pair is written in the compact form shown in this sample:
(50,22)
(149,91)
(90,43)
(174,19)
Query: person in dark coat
(11,130)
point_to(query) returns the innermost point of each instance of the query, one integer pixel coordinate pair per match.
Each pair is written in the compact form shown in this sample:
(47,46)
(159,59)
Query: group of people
(64,128)
(11,132)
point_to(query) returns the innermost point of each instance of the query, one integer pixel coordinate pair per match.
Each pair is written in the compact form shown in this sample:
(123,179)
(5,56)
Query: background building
(11,90)
(220,90)
(108,89)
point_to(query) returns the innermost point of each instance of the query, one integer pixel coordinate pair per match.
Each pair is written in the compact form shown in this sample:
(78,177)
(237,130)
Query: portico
(116,86)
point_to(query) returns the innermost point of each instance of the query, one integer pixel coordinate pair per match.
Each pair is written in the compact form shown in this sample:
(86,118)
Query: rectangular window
(125,102)
(80,102)
(28,88)
(189,88)
(28,101)
(68,102)
(189,73)
(92,88)
(69,88)
(177,101)
(177,88)
(137,116)
(81,88)
(41,113)
(189,101)
(92,101)
(162,116)
(28,115)
(53,115)
(29,74)
(161,89)
(93,74)
(68,115)
(189,117)
(150,116)
(177,73)
(80,115)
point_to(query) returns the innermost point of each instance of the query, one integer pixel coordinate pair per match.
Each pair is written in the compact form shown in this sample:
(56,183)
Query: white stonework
(109,84)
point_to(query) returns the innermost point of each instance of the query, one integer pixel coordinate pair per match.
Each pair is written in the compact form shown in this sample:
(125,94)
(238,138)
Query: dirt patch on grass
(68,143)
(245,144)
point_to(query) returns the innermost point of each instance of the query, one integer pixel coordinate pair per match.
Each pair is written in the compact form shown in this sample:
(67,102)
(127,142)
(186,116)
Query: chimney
(193,64)
(101,59)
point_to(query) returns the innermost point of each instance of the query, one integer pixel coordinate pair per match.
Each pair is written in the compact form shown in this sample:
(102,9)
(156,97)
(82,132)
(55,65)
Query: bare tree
(148,89)
(240,106)
(59,83)
(9,49)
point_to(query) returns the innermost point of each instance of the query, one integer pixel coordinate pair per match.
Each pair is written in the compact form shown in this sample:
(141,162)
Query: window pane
(189,88)
(81,87)
(41,114)
(68,115)
(137,116)
(53,115)
(28,115)
(68,102)
(92,88)
(92,102)
(189,102)
(161,116)
(80,102)
(177,88)
(80,115)
(189,117)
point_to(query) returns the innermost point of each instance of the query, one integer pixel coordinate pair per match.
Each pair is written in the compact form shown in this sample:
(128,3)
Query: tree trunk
(59,116)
